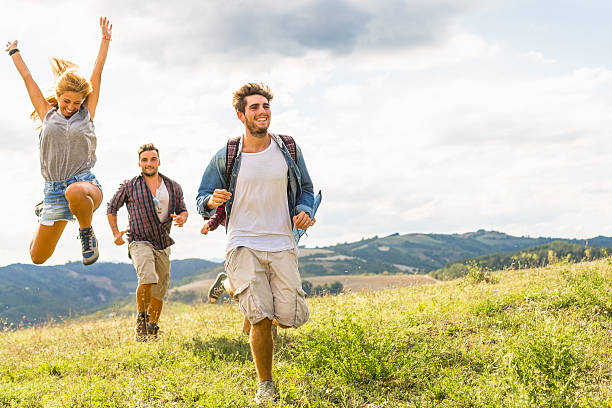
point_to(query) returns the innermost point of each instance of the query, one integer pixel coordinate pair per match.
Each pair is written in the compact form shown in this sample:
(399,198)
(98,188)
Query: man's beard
(149,173)
(254,130)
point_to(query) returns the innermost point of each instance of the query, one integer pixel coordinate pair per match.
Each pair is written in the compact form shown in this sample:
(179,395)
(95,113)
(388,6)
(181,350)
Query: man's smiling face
(257,115)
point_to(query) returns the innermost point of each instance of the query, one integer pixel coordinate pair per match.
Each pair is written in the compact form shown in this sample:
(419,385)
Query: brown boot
(140,331)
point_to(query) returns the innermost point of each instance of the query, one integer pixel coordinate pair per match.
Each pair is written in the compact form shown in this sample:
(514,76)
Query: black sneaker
(89,242)
(152,331)
(217,288)
(38,208)
(140,331)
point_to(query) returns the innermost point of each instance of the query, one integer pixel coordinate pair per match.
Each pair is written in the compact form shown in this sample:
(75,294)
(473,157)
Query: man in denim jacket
(269,196)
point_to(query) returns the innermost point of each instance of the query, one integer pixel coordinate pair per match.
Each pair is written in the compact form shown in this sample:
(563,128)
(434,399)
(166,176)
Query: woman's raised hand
(106,27)
(11,45)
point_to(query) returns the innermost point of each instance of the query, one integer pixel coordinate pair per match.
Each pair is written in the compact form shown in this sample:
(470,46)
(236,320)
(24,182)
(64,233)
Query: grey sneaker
(217,288)
(266,392)
(140,331)
(38,208)
(89,242)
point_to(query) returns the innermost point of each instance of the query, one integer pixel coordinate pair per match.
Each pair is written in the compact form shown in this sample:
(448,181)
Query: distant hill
(31,294)
(532,257)
(416,253)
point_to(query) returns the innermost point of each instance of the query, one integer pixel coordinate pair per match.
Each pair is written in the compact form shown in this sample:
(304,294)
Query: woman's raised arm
(96,76)
(36,96)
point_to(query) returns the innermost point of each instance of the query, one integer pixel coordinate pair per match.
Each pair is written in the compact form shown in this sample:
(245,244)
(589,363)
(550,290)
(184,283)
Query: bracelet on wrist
(14,50)
(106,38)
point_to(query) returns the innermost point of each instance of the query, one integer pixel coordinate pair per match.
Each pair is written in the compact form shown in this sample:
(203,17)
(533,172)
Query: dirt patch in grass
(357,283)
(354,283)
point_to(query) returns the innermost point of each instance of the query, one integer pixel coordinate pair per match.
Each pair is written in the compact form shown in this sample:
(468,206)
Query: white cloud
(457,48)
(538,57)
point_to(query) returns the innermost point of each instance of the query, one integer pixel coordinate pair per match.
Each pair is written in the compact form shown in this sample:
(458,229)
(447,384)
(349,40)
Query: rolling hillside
(414,253)
(31,294)
(535,338)
(532,257)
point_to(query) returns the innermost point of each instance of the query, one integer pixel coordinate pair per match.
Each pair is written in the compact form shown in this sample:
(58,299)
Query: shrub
(351,352)
(478,274)
(548,363)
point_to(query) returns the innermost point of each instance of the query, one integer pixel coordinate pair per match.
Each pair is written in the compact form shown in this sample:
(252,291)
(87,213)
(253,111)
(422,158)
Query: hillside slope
(538,338)
(31,293)
(532,257)
(418,253)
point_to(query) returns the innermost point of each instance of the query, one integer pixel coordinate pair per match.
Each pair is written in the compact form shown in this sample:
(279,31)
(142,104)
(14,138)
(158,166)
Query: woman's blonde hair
(66,80)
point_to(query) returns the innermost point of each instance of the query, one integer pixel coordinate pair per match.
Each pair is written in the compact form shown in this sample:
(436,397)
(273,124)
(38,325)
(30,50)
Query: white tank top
(260,212)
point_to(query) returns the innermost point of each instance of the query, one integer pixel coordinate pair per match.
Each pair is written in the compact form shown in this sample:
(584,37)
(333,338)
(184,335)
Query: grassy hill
(420,253)
(31,294)
(535,338)
(539,255)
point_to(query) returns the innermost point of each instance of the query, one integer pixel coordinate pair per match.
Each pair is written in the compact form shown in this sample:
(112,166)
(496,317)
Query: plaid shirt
(142,213)
(217,219)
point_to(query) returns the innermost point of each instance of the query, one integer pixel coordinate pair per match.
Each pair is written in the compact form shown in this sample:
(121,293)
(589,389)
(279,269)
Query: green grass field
(529,338)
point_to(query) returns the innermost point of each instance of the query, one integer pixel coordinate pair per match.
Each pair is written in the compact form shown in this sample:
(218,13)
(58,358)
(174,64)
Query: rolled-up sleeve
(118,199)
(180,201)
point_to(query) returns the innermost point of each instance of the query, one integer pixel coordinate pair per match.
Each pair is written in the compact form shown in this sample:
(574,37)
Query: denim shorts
(55,205)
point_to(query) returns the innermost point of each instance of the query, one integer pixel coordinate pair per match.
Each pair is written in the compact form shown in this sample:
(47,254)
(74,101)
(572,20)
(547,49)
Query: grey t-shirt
(67,146)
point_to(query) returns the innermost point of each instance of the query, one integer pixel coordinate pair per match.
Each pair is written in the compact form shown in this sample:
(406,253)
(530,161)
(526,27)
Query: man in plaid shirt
(153,202)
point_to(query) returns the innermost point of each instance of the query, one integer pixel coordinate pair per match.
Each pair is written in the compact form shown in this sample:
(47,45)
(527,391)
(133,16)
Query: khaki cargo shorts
(268,285)
(152,266)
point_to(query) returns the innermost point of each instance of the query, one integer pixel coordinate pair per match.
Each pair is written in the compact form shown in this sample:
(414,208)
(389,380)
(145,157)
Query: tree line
(537,256)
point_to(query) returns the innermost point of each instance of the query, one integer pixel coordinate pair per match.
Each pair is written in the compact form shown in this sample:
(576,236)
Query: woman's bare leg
(45,240)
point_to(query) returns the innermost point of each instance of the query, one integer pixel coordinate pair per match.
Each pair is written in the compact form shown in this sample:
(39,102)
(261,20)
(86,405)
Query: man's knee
(294,313)
(261,328)
(262,323)
(282,326)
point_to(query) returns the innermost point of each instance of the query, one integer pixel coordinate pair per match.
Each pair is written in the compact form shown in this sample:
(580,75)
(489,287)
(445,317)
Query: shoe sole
(220,278)
(92,260)
(270,400)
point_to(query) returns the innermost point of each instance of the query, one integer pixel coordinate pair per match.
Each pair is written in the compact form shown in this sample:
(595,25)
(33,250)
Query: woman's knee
(84,190)
(75,191)
(38,258)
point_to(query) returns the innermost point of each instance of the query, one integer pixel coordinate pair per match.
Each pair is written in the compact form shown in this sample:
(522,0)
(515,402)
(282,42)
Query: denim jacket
(300,195)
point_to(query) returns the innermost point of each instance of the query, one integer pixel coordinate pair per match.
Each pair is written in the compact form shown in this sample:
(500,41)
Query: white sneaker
(266,392)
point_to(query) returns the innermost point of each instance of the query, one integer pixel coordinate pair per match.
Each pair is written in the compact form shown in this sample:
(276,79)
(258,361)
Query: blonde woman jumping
(67,144)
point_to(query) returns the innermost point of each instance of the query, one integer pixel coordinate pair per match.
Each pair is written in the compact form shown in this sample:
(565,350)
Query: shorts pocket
(228,259)
(302,313)
(249,304)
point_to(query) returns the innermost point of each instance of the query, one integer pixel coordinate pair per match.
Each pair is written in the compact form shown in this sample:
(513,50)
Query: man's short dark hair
(249,89)
(147,147)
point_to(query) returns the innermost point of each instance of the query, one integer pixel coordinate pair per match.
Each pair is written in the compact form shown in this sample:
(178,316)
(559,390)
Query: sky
(442,116)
